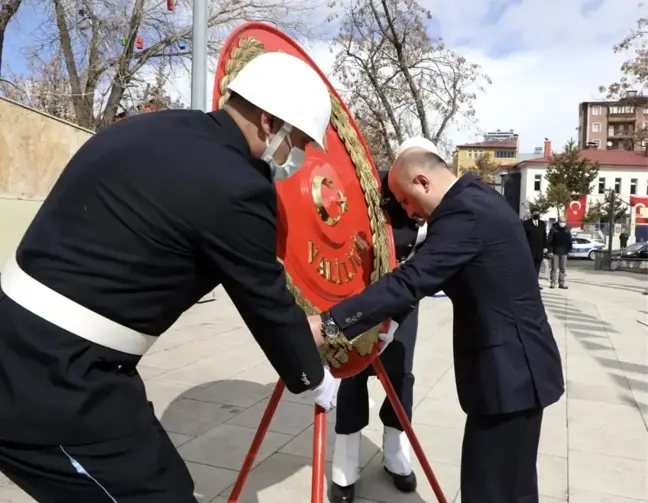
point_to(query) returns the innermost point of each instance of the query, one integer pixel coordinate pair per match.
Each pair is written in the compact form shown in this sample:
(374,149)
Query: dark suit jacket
(537,238)
(506,358)
(404,228)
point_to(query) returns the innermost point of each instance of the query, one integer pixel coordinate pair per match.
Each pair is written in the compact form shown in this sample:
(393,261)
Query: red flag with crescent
(637,203)
(576,211)
(328,211)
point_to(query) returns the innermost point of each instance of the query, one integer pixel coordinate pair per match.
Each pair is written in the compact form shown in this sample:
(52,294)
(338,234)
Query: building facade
(622,171)
(497,147)
(614,125)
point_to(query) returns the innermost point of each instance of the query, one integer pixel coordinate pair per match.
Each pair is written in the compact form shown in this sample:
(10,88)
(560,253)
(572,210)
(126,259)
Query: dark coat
(560,240)
(537,237)
(506,358)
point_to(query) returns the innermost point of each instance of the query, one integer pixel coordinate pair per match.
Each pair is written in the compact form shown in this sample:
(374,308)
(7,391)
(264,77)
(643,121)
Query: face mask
(294,162)
(562,224)
(536,217)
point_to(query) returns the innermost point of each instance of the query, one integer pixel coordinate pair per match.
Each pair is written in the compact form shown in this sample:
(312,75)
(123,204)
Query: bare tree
(485,168)
(635,69)
(8,9)
(401,82)
(47,88)
(109,46)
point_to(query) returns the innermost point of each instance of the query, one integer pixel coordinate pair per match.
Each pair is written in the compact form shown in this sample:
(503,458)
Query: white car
(585,248)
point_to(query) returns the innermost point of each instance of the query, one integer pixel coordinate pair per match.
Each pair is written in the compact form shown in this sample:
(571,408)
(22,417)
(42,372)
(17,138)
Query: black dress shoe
(563,287)
(339,494)
(404,483)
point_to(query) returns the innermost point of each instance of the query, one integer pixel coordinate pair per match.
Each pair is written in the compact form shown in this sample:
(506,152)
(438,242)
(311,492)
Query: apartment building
(500,147)
(614,125)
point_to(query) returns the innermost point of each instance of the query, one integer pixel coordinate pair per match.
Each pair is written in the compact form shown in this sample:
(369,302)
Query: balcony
(621,133)
(622,117)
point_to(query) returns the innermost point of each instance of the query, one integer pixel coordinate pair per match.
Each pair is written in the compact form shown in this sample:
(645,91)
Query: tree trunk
(7,11)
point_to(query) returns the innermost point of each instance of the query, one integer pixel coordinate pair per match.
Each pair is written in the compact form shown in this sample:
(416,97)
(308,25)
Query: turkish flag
(575,213)
(637,203)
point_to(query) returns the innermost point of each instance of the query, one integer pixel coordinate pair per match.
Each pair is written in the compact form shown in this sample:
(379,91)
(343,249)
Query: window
(633,186)
(617,185)
(537,182)
(601,188)
(596,110)
(470,154)
(596,127)
(610,130)
(505,154)
(622,110)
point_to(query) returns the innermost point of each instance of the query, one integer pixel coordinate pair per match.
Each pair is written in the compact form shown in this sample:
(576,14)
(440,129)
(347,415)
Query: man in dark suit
(507,364)
(536,234)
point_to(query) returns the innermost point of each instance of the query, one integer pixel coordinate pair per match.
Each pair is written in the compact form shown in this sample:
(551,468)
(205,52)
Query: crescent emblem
(577,207)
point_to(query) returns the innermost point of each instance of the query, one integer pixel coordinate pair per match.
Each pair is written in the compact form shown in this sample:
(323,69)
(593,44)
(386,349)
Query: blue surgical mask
(295,160)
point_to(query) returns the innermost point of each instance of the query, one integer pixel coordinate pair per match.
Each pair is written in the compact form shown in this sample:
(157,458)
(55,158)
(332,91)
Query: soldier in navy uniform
(352,412)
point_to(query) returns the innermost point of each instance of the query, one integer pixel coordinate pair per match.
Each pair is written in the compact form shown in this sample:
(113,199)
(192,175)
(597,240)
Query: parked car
(585,248)
(635,250)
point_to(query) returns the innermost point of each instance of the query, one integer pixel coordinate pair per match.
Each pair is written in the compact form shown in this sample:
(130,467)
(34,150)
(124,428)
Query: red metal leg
(319,453)
(256,442)
(407,427)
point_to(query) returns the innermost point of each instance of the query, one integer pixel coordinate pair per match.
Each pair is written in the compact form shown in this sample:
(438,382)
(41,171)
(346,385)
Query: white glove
(323,394)
(388,336)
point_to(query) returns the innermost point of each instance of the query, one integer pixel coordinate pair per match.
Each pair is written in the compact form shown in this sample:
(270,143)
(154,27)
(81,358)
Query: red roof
(603,157)
(491,144)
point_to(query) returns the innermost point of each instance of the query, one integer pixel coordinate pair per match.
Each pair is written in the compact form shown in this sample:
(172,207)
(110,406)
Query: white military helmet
(419,142)
(289,89)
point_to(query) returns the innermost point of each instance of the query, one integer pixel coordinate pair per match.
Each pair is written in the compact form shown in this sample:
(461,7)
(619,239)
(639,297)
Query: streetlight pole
(199,56)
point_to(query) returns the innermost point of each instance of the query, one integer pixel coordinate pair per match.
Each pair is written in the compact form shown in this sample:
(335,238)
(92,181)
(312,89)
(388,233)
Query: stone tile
(210,481)
(608,393)
(302,445)
(226,445)
(289,418)
(190,352)
(162,394)
(552,476)
(279,479)
(553,436)
(375,484)
(193,417)
(210,370)
(235,392)
(584,496)
(606,428)
(149,372)
(440,444)
(178,438)
(607,474)
(439,413)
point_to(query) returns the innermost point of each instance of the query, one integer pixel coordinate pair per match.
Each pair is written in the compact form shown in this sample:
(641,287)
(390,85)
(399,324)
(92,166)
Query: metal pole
(199,56)
(611,215)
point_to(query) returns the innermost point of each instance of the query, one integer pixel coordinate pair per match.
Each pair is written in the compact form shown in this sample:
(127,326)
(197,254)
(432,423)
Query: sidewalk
(210,383)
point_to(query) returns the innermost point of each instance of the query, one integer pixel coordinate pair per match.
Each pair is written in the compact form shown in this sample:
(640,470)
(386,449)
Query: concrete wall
(34,149)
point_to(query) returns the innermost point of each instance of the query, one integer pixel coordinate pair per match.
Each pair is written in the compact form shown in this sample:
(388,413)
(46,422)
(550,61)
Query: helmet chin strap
(273,145)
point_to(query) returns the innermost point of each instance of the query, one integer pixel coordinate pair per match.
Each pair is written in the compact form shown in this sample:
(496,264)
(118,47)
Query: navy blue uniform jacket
(506,358)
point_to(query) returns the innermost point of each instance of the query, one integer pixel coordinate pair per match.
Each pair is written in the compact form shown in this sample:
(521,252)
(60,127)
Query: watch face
(330,330)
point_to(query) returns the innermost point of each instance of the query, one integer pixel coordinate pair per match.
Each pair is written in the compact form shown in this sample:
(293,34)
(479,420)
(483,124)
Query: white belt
(68,315)
(420,237)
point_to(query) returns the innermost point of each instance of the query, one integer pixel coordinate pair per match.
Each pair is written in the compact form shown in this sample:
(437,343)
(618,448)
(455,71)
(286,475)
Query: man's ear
(266,123)
(423,181)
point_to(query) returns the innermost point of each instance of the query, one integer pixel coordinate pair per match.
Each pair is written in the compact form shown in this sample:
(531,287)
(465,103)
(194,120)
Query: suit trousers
(559,268)
(498,459)
(143,467)
(352,410)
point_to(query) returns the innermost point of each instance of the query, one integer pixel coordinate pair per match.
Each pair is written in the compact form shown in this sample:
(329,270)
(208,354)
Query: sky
(543,56)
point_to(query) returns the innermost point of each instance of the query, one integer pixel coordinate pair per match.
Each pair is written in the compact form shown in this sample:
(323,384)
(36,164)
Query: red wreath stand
(319,441)
(333,175)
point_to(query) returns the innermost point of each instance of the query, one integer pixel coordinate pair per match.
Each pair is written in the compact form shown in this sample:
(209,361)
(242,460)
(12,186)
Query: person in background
(623,238)
(560,245)
(536,234)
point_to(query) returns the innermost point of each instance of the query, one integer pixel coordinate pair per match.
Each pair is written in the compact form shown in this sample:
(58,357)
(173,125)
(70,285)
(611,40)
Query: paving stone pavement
(210,383)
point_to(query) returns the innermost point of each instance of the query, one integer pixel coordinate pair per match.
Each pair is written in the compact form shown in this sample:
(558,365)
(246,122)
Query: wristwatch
(330,330)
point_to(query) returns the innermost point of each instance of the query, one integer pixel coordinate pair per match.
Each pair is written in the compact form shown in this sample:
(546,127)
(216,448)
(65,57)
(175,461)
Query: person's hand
(324,393)
(388,336)
(315,323)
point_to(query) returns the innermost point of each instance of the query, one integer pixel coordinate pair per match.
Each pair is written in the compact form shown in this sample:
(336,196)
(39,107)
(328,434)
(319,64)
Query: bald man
(507,364)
